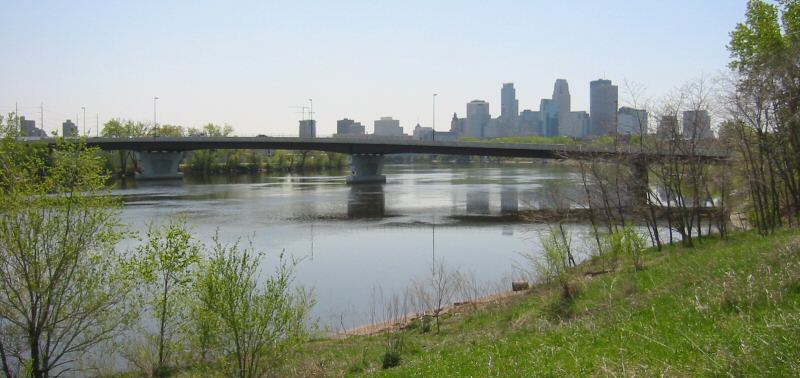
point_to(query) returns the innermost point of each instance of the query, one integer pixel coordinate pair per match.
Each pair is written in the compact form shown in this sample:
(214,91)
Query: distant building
(444,136)
(548,113)
(530,123)
(477,118)
(423,133)
(603,99)
(631,121)
(458,126)
(27,127)
(668,127)
(349,127)
(69,129)
(509,111)
(308,128)
(386,126)
(562,103)
(697,125)
(576,124)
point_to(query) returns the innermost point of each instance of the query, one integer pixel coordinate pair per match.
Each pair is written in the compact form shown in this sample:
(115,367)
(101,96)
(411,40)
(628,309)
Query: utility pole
(84,120)
(16,114)
(97,124)
(311,109)
(41,116)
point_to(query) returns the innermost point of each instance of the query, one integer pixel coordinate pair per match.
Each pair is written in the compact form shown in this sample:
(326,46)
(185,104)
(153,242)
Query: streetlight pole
(433,136)
(84,120)
(155,124)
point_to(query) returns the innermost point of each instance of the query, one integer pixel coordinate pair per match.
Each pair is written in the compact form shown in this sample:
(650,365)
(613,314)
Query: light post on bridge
(155,124)
(433,135)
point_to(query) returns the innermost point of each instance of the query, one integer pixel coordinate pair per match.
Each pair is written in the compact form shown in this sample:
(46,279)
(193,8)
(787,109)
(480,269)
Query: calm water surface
(357,238)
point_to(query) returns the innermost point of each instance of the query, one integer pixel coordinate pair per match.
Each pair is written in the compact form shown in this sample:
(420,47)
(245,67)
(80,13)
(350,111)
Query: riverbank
(723,307)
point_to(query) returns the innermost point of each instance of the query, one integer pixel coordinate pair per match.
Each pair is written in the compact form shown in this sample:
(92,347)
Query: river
(363,239)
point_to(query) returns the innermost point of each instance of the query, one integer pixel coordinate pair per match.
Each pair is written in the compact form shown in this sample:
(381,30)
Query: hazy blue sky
(248,63)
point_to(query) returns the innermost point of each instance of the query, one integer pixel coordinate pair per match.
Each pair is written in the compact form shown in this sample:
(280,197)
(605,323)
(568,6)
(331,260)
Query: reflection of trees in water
(366,201)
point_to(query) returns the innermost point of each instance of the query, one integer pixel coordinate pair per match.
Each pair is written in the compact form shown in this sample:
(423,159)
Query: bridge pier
(158,164)
(639,187)
(365,168)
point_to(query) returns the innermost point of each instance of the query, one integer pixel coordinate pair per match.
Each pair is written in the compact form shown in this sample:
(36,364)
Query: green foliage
(257,325)
(627,242)
(390,359)
(58,231)
(211,130)
(554,264)
(167,131)
(166,266)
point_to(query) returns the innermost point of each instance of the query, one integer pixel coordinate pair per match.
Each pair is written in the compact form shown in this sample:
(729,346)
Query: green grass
(722,308)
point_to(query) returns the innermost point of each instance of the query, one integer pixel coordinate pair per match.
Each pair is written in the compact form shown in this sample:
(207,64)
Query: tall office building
(308,128)
(386,126)
(697,124)
(562,101)
(631,121)
(477,118)
(548,112)
(69,129)
(603,99)
(509,105)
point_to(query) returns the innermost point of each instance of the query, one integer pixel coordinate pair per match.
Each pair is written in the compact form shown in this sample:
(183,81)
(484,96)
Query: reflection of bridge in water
(160,157)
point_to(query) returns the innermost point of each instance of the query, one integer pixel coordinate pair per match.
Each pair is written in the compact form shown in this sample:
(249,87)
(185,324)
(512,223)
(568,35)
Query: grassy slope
(725,307)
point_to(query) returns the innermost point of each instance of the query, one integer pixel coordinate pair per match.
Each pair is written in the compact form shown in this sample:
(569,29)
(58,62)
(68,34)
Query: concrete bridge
(160,157)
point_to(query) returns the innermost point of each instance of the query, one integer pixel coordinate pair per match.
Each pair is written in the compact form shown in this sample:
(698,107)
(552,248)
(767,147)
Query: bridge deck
(379,146)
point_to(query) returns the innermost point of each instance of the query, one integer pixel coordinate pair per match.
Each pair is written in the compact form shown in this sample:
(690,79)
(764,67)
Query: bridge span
(160,156)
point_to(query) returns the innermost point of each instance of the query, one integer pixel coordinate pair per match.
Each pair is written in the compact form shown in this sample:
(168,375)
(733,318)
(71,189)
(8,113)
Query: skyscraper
(548,111)
(509,105)
(603,98)
(477,118)
(562,100)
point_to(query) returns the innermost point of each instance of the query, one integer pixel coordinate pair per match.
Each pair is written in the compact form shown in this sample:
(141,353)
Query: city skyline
(113,58)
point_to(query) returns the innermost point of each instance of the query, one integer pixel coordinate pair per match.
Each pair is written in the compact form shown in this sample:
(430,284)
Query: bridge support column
(639,187)
(365,169)
(158,164)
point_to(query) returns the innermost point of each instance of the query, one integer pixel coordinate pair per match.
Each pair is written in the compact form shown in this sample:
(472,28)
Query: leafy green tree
(258,325)
(116,128)
(166,262)
(765,51)
(167,131)
(63,286)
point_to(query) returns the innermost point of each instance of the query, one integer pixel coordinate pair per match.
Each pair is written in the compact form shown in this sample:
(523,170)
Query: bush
(390,359)
(627,242)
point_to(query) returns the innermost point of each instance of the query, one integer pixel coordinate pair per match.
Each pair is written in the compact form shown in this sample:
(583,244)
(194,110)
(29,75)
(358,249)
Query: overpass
(160,156)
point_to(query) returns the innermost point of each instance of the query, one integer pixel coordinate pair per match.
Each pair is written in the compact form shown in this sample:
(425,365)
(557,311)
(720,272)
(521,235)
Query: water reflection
(509,201)
(478,203)
(366,201)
